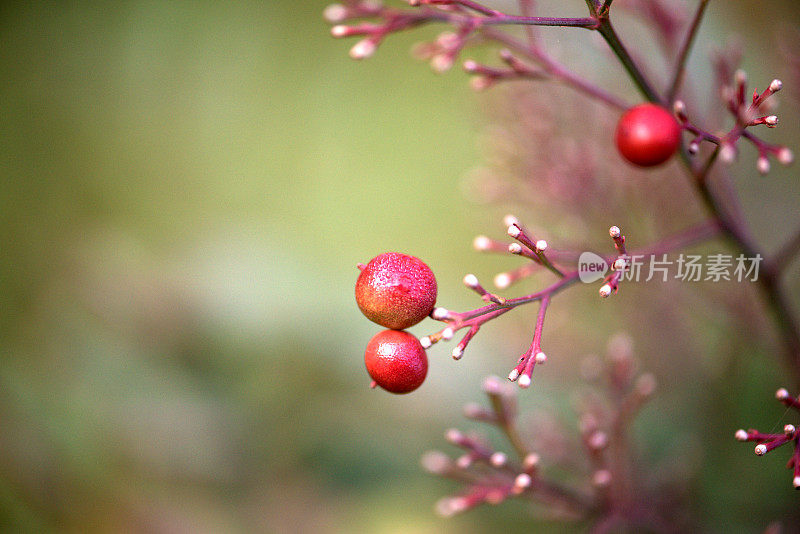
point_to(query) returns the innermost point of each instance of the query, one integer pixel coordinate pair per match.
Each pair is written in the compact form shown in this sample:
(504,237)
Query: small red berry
(647,135)
(396,290)
(396,361)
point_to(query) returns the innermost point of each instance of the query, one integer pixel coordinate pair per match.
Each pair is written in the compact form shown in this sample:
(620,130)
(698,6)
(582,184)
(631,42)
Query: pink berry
(396,361)
(396,290)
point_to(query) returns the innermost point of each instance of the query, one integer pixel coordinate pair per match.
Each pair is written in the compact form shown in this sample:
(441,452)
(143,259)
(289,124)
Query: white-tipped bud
(620,264)
(541,245)
(471,281)
(493,385)
(531,461)
(449,506)
(775,85)
(502,280)
(447,333)
(514,230)
(441,63)
(614,232)
(646,385)
(785,156)
(796,482)
(481,243)
(762,164)
(598,440)
(782,394)
(540,358)
(457,353)
(601,478)
(435,462)
(464,461)
(363,49)
(771,120)
(515,248)
(741,435)
(788,430)
(727,153)
(453,435)
(525,381)
(605,291)
(498,459)
(761,449)
(510,220)
(471,65)
(480,83)
(340,30)
(440,314)
(425,341)
(693,148)
(335,13)
(679,108)
(513,375)
(740,77)
(523,481)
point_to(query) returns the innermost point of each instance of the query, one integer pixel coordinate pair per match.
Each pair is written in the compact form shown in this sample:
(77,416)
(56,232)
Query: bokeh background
(186,190)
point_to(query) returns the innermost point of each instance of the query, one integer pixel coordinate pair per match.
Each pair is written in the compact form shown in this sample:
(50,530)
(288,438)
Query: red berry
(396,361)
(396,290)
(647,135)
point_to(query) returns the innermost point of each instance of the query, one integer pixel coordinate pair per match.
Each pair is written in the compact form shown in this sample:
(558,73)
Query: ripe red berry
(396,361)
(396,290)
(647,135)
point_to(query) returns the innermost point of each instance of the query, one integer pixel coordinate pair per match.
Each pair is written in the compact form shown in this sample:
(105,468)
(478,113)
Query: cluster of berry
(396,291)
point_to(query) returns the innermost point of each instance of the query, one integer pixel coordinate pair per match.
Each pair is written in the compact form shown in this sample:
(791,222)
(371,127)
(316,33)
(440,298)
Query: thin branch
(557,70)
(607,31)
(787,252)
(680,67)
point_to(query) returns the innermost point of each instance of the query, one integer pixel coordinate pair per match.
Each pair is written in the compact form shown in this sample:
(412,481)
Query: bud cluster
(490,476)
(771,441)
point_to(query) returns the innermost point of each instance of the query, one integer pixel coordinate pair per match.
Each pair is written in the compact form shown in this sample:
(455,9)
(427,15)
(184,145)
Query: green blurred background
(186,189)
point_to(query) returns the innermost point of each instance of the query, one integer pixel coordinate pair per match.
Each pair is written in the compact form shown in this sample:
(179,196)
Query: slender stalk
(607,31)
(680,67)
(557,70)
(787,252)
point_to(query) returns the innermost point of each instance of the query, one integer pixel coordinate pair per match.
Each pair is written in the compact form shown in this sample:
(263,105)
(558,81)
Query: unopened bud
(762,164)
(514,230)
(614,232)
(727,153)
(741,435)
(524,381)
(540,357)
(788,430)
(498,459)
(771,120)
(785,156)
(601,478)
(782,394)
(363,49)
(541,245)
(440,314)
(523,481)
(335,13)
(605,291)
(502,281)
(482,243)
(761,449)
(776,85)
